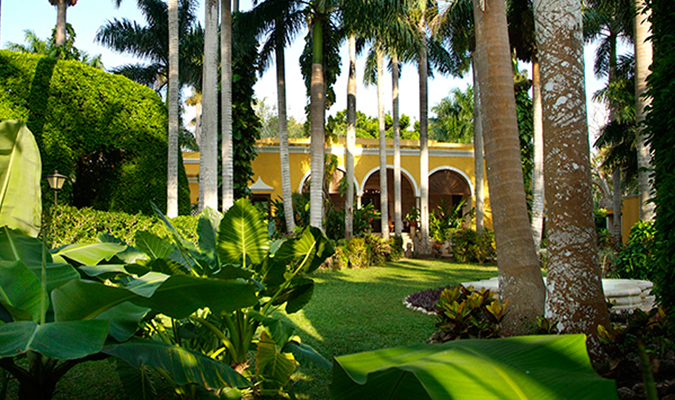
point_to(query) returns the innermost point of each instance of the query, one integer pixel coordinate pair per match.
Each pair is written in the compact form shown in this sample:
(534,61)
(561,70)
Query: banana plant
(233,249)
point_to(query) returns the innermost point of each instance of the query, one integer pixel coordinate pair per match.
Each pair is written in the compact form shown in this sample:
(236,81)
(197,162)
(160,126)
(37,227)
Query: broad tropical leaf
(183,366)
(272,363)
(178,296)
(88,254)
(20,174)
(306,354)
(207,229)
(20,291)
(124,319)
(313,244)
(242,235)
(297,295)
(525,367)
(152,245)
(17,246)
(138,382)
(54,340)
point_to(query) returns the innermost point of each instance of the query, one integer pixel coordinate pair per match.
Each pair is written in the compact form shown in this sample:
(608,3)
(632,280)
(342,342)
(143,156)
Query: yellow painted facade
(457,158)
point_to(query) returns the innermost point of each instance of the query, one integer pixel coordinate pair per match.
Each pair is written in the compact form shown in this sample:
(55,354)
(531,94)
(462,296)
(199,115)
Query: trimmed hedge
(68,225)
(107,133)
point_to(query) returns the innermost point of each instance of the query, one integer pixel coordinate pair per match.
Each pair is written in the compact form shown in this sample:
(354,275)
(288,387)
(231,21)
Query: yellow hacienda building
(451,173)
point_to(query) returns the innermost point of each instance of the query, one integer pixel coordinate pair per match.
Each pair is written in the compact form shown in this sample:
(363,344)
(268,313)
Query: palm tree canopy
(606,21)
(150,43)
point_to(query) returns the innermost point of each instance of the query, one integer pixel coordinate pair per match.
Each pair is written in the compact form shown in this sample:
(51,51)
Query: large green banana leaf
(313,243)
(183,365)
(177,296)
(20,174)
(61,340)
(20,291)
(527,367)
(242,235)
(88,254)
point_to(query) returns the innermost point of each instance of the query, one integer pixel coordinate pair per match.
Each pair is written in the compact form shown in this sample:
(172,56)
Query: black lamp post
(56,181)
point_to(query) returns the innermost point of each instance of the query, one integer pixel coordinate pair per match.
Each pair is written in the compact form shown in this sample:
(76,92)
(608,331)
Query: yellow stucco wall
(457,157)
(630,214)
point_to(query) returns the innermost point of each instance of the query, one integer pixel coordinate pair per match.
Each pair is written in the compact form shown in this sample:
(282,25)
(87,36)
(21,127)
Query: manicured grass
(362,310)
(351,311)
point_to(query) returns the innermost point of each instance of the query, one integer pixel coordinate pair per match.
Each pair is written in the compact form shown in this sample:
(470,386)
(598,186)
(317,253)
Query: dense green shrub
(660,120)
(357,253)
(379,250)
(467,245)
(107,133)
(636,258)
(67,225)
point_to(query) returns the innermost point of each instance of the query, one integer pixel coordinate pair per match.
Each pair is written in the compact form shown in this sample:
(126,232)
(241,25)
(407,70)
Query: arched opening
(450,187)
(336,198)
(371,194)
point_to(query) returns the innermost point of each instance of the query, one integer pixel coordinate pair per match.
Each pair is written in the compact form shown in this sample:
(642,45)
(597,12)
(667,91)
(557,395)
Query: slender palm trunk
(538,170)
(61,9)
(643,58)
(617,200)
(520,278)
(425,247)
(398,211)
(351,138)
(317,118)
(384,197)
(172,176)
(208,145)
(226,103)
(478,158)
(575,297)
(198,121)
(286,190)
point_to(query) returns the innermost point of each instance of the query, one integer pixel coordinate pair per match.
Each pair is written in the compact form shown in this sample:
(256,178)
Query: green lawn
(351,311)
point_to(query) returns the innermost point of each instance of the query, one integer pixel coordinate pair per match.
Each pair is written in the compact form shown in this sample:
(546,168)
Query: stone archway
(371,194)
(449,186)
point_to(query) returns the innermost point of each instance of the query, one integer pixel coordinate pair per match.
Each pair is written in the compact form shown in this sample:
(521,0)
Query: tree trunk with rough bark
(61,9)
(538,170)
(317,119)
(172,103)
(425,245)
(226,104)
(643,59)
(384,196)
(478,159)
(286,190)
(575,298)
(208,144)
(351,139)
(398,209)
(520,279)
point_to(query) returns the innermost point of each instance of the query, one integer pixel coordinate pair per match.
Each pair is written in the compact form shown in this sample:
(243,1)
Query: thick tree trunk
(538,170)
(226,104)
(398,212)
(478,159)
(520,279)
(174,86)
(351,139)
(643,59)
(208,145)
(575,297)
(61,9)
(317,119)
(425,246)
(384,197)
(286,190)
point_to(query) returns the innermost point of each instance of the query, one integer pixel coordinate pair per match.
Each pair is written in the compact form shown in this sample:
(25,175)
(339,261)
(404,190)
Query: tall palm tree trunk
(538,170)
(172,160)
(317,111)
(425,247)
(643,58)
(384,197)
(351,138)
(575,297)
(61,9)
(208,144)
(286,190)
(226,103)
(478,158)
(398,211)
(520,279)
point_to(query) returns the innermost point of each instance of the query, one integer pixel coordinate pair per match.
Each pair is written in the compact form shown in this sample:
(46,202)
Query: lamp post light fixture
(56,181)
